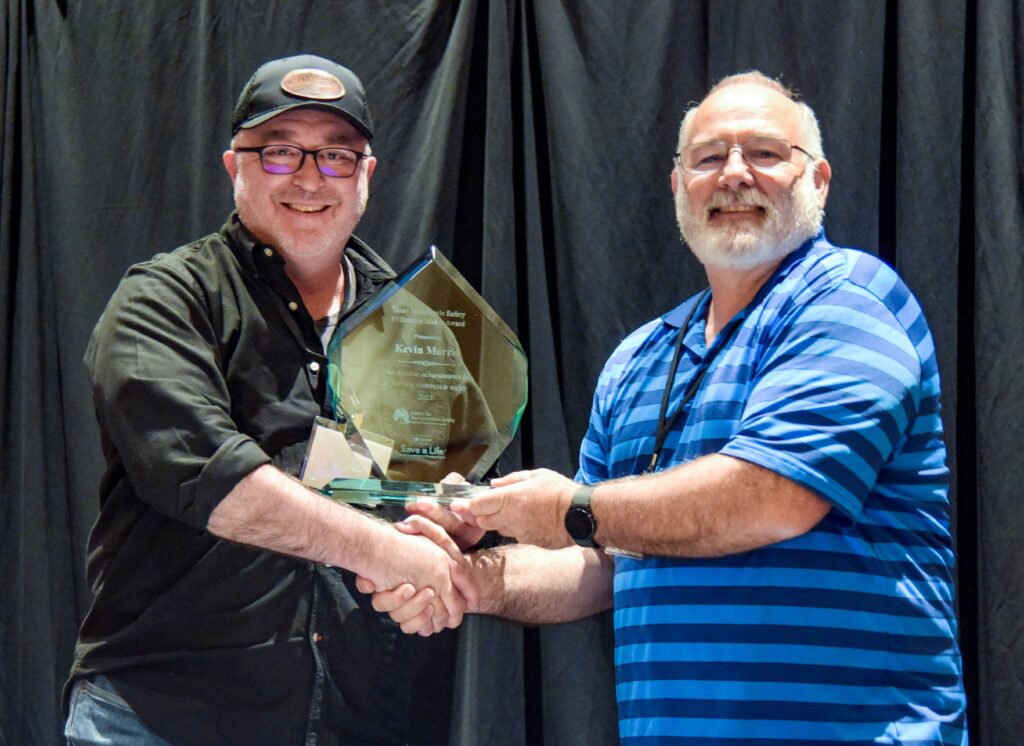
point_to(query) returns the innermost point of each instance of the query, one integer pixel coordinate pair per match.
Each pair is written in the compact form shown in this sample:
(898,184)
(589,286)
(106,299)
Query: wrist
(483,571)
(580,523)
(372,547)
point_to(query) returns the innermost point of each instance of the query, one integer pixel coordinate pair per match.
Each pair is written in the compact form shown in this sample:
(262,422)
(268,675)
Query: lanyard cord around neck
(665,425)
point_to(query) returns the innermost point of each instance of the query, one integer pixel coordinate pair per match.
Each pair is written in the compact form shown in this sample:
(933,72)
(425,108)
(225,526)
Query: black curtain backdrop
(531,141)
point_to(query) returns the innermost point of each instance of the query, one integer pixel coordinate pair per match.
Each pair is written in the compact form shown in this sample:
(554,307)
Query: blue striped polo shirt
(844,634)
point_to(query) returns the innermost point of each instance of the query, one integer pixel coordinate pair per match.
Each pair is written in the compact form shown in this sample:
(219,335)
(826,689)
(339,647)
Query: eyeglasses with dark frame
(338,163)
(760,153)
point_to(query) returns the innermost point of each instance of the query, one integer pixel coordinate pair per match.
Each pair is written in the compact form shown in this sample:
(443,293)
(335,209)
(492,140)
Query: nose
(736,172)
(308,177)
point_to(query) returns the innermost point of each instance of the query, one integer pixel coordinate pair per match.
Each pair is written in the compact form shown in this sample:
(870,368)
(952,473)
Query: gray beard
(795,217)
(293,246)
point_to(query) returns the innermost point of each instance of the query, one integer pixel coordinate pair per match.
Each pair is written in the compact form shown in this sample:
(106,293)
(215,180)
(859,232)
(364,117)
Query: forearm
(713,506)
(270,510)
(540,586)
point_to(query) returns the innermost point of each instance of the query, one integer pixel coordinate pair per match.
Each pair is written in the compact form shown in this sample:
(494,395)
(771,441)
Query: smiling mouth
(304,208)
(733,209)
(751,212)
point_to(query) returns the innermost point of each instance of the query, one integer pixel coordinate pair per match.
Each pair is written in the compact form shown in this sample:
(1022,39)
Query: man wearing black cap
(223,609)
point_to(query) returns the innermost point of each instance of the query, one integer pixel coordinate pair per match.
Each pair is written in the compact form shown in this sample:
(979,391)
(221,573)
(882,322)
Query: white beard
(795,217)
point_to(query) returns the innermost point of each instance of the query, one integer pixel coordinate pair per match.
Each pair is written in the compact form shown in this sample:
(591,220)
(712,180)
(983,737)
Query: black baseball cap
(298,82)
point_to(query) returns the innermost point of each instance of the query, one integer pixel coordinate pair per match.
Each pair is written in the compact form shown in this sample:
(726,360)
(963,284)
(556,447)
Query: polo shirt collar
(677,316)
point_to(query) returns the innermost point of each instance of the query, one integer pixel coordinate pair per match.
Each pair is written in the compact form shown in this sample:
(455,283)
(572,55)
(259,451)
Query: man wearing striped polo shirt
(767,486)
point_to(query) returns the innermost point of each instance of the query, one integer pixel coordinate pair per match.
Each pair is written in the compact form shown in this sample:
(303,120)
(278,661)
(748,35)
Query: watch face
(579,523)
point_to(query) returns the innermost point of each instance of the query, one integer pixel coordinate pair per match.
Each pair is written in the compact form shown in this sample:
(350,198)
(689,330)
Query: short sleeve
(832,397)
(594,448)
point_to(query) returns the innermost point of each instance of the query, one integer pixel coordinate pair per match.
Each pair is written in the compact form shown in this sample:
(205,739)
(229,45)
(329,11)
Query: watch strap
(579,519)
(581,498)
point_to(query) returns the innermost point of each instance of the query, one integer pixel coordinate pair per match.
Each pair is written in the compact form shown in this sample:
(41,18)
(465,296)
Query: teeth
(738,208)
(308,208)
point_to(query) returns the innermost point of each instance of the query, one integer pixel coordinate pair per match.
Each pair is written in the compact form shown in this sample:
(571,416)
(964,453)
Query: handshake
(427,582)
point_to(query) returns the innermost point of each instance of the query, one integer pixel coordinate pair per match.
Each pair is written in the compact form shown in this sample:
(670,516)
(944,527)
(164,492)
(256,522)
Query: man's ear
(822,177)
(230,164)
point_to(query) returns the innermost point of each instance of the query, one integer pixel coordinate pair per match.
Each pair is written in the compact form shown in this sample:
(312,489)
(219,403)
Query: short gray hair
(809,128)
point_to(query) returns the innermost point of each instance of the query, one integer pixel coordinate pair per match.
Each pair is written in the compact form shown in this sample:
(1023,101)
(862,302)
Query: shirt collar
(677,316)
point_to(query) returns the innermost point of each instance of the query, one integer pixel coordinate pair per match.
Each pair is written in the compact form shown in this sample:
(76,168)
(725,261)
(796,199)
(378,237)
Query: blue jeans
(98,716)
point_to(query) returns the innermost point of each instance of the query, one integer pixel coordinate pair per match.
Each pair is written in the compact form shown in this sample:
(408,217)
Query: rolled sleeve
(161,395)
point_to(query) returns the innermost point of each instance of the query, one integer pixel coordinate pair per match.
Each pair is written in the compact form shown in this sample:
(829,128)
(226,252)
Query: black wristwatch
(579,520)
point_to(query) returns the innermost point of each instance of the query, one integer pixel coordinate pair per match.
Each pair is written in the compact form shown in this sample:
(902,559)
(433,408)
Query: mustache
(292,196)
(742,196)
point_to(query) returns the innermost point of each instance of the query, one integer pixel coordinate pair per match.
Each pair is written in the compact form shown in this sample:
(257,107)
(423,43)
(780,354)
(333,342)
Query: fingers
(484,504)
(454,478)
(464,533)
(529,506)
(516,476)
(412,610)
(463,508)
(438,616)
(424,600)
(432,511)
(417,525)
(484,511)
(417,612)
(460,508)
(465,586)
(454,605)
(365,585)
(389,601)
(420,623)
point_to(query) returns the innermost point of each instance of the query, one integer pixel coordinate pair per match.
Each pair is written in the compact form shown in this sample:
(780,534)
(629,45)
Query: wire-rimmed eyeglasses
(761,153)
(338,163)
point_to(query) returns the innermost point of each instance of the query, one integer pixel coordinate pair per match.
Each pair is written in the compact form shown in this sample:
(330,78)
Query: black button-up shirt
(202,370)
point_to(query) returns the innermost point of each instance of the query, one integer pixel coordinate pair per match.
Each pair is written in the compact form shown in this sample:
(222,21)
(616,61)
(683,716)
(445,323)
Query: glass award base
(375,492)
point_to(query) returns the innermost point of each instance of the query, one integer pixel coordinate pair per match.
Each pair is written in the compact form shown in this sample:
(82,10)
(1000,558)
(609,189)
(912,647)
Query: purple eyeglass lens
(276,168)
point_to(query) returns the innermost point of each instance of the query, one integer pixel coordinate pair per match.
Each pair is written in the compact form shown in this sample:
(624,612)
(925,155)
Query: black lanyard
(665,425)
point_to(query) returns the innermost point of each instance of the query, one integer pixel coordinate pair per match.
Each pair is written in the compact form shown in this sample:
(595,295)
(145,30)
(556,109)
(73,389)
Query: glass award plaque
(425,380)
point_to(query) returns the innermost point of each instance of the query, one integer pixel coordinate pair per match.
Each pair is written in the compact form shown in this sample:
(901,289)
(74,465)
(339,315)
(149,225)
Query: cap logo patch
(312,83)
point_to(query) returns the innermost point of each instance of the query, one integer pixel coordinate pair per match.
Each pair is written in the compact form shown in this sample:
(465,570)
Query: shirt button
(268,251)
(314,366)
(293,305)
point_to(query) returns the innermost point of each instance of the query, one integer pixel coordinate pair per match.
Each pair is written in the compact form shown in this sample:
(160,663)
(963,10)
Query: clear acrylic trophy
(425,380)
